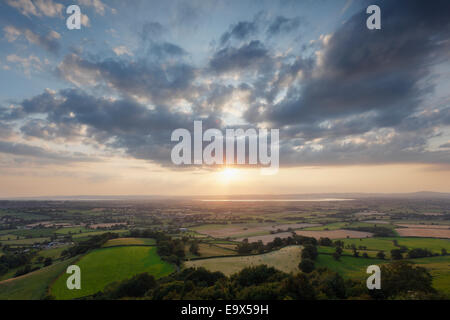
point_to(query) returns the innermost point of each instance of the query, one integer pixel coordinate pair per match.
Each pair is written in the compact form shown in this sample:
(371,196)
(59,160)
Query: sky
(91,111)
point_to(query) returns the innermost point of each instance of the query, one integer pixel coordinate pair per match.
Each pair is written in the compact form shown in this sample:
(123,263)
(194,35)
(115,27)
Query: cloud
(160,84)
(240,31)
(121,50)
(49,8)
(152,30)
(283,25)
(49,42)
(99,7)
(50,157)
(250,56)
(27,64)
(37,8)
(359,70)
(11,33)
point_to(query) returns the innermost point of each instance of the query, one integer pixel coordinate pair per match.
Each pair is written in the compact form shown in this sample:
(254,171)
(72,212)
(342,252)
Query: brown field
(333,234)
(106,225)
(242,230)
(369,213)
(424,226)
(423,232)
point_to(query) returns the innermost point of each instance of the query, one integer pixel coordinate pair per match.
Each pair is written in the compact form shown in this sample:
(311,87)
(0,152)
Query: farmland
(104,266)
(210,235)
(289,256)
(32,286)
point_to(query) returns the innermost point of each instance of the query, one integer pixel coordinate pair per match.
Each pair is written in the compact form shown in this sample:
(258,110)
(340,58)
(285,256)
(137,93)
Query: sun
(229,174)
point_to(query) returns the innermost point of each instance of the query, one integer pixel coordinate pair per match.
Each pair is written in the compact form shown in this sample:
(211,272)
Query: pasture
(104,266)
(285,259)
(32,286)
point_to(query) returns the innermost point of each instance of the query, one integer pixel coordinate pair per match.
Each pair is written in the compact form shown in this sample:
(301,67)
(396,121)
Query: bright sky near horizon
(91,111)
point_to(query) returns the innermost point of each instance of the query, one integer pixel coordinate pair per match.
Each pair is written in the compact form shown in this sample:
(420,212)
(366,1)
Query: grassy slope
(439,268)
(104,266)
(349,267)
(32,286)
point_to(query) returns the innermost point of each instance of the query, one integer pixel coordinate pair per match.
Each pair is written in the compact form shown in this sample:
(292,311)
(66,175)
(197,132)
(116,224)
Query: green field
(129,242)
(25,241)
(439,267)
(54,253)
(32,286)
(386,244)
(104,266)
(285,259)
(73,230)
(348,267)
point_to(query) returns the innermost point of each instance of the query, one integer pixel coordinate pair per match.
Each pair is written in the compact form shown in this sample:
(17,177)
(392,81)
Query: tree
(48,261)
(336,256)
(309,252)
(419,253)
(194,248)
(396,254)
(306,265)
(137,286)
(381,255)
(299,287)
(325,242)
(403,277)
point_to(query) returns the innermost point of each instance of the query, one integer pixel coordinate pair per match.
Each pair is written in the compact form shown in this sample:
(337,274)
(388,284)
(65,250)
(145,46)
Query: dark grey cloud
(155,81)
(25,150)
(152,31)
(361,70)
(250,56)
(240,31)
(283,25)
(166,49)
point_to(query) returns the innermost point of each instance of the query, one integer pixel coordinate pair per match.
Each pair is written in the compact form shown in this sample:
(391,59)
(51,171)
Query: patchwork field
(285,259)
(387,244)
(334,234)
(247,230)
(426,226)
(424,232)
(103,266)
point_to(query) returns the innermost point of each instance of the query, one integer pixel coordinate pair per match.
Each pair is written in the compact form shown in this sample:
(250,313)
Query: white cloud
(11,33)
(37,8)
(49,8)
(98,5)
(26,7)
(85,20)
(121,50)
(28,65)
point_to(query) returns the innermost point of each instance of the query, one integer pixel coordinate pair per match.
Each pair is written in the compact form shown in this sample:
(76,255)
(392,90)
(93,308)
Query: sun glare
(229,174)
